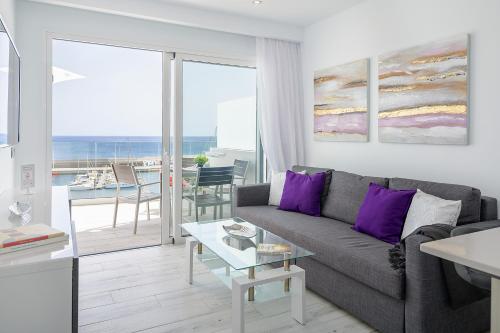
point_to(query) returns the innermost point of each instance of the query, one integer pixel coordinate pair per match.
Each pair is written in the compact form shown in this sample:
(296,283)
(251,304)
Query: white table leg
(495,305)
(241,284)
(190,245)
(238,306)
(298,298)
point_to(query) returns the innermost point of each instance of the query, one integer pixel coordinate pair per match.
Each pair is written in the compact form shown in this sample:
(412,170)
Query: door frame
(178,128)
(167,57)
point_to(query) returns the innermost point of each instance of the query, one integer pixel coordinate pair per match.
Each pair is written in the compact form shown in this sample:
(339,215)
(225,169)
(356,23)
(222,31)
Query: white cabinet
(39,287)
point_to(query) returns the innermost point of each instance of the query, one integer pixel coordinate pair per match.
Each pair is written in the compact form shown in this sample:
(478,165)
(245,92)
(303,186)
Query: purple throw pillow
(383,213)
(302,193)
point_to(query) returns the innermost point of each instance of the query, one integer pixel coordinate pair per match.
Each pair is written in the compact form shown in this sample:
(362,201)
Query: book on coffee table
(273,249)
(29,236)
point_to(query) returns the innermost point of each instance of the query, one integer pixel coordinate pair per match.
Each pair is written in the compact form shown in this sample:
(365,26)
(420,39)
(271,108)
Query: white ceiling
(295,12)
(281,19)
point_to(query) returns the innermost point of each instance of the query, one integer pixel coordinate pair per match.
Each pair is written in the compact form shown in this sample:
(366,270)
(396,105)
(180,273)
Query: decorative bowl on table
(239,231)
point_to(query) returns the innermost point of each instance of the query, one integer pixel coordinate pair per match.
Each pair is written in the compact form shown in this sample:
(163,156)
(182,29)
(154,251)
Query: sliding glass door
(165,116)
(110,108)
(216,128)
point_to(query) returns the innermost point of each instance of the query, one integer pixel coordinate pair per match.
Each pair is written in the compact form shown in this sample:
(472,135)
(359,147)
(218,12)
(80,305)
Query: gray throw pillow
(326,189)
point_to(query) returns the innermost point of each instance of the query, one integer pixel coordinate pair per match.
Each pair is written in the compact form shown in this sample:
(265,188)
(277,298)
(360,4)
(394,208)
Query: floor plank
(144,291)
(92,301)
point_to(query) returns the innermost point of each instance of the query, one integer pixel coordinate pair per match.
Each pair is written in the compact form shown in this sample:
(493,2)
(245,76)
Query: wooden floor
(144,290)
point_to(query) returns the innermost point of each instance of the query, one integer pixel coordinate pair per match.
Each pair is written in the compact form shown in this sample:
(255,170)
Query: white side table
(479,250)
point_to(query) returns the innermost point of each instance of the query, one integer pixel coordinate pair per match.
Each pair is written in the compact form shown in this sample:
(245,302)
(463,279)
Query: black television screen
(9,89)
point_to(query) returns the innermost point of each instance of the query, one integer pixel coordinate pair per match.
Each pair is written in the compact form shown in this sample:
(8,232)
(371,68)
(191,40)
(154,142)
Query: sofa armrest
(427,307)
(475,227)
(252,195)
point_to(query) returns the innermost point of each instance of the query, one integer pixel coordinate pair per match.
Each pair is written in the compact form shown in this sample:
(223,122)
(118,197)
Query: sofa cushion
(302,193)
(313,170)
(427,209)
(335,244)
(277,184)
(470,197)
(347,192)
(383,213)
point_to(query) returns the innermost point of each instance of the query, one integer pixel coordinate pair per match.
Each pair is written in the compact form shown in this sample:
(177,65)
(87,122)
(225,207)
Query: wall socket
(27,176)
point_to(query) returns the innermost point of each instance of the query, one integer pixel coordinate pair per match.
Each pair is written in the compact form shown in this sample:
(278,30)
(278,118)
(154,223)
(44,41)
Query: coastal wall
(39,19)
(7,164)
(373,28)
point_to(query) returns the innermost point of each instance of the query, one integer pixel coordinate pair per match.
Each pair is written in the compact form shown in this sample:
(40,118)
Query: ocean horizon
(102,147)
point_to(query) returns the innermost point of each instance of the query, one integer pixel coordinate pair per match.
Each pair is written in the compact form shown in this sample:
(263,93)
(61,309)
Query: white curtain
(280,102)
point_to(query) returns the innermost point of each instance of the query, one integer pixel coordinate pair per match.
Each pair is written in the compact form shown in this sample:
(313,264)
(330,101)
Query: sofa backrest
(470,197)
(489,208)
(347,192)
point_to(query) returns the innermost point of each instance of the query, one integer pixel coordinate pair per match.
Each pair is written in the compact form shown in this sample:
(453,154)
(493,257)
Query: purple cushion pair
(302,193)
(383,213)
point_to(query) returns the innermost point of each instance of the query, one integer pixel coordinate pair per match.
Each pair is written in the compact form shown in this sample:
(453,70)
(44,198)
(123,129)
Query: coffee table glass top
(242,253)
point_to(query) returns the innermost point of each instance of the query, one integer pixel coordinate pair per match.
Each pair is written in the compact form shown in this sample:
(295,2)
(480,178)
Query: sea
(102,147)
(85,149)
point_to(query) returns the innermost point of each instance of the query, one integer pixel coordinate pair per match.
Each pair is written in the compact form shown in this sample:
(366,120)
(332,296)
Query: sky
(120,92)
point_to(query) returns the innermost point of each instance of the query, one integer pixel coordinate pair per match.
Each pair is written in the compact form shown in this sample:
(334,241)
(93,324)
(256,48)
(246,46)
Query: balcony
(85,167)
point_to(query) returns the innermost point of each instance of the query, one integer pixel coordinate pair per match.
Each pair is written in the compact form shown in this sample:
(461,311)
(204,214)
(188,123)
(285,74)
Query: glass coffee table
(246,255)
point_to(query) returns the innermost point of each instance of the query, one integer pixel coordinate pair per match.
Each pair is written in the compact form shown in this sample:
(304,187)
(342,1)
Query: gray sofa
(352,270)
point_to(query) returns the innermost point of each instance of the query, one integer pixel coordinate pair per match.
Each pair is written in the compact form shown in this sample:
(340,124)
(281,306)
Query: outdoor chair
(207,178)
(240,170)
(126,174)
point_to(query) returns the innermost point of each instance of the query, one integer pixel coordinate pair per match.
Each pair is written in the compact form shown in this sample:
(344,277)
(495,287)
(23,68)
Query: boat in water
(95,181)
(114,186)
(83,187)
(87,182)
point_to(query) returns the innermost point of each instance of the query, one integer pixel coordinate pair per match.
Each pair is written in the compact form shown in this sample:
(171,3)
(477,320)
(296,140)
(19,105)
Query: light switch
(27,176)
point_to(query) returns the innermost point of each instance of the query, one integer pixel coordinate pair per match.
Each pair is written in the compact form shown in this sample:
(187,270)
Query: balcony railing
(84,163)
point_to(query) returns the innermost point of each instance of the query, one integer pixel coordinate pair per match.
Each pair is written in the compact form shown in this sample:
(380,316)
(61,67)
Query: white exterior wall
(236,124)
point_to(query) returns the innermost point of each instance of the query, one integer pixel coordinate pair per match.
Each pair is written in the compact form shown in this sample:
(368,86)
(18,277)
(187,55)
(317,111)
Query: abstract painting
(341,102)
(423,94)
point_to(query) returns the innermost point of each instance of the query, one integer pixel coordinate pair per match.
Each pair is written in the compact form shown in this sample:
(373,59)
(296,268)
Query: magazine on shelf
(273,249)
(29,236)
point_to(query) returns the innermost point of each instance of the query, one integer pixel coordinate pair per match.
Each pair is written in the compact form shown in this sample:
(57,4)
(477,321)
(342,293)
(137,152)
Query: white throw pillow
(277,185)
(426,209)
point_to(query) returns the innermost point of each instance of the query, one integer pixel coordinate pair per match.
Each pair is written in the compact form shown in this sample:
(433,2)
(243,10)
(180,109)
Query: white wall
(375,27)
(36,20)
(7,165)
